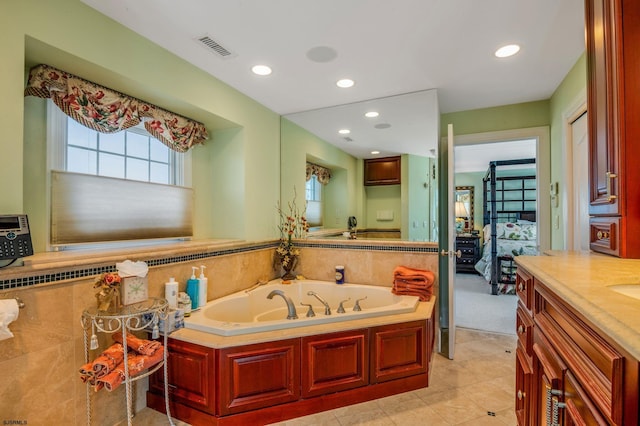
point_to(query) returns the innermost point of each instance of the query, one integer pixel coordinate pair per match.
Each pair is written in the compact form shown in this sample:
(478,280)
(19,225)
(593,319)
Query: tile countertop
(423,311)
(582,280)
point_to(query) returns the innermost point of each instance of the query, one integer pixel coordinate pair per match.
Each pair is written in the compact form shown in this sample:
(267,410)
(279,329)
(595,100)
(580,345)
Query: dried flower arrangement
(293,224)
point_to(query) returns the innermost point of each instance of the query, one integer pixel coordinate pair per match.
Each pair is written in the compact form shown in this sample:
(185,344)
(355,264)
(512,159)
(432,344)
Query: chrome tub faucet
(292,314)
(327,308)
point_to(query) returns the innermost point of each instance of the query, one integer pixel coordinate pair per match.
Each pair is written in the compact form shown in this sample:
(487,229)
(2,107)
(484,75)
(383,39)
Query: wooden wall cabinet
(568,370)
(382,171)
(613,85)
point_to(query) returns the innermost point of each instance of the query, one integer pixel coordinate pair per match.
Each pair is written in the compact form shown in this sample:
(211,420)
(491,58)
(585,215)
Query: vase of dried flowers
(293,225)
(108,297)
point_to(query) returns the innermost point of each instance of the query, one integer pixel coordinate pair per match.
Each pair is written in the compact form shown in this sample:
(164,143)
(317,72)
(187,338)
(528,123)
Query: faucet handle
(341,308)
(310,312)
(357,307)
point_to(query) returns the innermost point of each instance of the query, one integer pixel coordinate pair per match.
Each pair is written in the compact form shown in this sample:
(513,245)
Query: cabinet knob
(521,329)
(602,235)
(520,286)
(521,395)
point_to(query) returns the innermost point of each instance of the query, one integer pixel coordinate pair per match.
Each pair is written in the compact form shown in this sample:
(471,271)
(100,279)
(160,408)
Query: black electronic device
(15,238)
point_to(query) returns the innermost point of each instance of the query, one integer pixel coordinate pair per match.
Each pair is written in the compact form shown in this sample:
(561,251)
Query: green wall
(569,95)
(341,194)
(235,174)
(506,117)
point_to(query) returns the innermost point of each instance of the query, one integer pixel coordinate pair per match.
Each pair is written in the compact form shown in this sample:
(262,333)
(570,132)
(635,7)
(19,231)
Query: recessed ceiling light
(508,50)
(261,70)
(345,83)
(371,114)
(344,131)
(375,152)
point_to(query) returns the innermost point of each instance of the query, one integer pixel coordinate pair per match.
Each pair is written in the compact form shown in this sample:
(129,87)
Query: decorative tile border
(91,271)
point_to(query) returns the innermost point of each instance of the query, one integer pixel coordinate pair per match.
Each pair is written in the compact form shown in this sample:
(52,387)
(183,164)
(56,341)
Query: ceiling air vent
(211,44)
(348,139)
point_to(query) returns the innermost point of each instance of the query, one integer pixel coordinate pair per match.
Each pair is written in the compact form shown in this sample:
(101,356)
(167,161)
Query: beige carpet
(477,309)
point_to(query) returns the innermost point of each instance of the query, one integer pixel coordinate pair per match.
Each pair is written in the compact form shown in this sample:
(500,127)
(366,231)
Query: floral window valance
(322,173)
(107,111)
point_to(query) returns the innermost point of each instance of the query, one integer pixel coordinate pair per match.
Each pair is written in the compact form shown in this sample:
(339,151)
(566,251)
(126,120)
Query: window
(313,189)
(132,154)
(83,163)
(313,195)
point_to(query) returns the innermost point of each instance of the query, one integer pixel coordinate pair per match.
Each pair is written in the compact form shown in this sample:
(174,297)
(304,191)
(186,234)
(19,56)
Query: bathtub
(243,313)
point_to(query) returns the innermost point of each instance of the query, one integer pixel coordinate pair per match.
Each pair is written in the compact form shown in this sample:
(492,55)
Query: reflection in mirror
(407,126)
(464,209)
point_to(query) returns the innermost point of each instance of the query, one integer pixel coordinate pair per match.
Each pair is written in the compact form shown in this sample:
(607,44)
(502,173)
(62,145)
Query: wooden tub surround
(274,376)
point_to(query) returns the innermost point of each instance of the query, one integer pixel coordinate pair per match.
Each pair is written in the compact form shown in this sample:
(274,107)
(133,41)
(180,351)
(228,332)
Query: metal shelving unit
(135,317)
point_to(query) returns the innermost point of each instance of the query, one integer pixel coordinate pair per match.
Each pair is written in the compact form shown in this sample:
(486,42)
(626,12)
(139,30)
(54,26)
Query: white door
(447,275)
(580,140)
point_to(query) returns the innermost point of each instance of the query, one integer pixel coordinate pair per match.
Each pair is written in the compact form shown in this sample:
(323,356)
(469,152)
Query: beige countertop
(423,312)
(583,280)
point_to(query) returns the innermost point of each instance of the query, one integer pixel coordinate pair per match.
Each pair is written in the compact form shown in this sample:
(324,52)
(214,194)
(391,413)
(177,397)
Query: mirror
(406,126)
(464,209)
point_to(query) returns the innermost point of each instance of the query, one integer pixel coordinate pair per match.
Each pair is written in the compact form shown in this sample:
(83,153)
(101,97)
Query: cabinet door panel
(603,107)
(257,376)
(579,409)
(191,375)
(398,352)
(335,362)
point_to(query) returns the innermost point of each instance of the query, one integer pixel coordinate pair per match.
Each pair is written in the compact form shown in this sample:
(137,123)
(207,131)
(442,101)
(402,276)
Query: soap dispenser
(202,287)
(192,288)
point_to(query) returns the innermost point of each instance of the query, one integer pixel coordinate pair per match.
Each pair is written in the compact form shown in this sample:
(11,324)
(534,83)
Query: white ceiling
(387,47)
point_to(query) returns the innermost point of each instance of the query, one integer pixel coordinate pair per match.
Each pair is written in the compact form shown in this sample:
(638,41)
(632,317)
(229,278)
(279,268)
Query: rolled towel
(108,360)
(137,363)
(142,346)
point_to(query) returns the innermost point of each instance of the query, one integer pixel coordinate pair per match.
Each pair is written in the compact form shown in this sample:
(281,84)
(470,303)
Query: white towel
(8,313)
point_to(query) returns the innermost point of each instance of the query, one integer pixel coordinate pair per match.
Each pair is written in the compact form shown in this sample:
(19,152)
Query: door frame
(543,169)
(571,114)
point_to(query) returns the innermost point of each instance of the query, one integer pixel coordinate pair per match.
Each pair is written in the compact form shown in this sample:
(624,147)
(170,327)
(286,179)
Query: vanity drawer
(590,358)
(524,287)
(524,328)
(604,234)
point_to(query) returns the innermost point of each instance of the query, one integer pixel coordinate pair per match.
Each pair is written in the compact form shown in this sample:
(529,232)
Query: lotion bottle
(171,293)
(192,288)
(202,287)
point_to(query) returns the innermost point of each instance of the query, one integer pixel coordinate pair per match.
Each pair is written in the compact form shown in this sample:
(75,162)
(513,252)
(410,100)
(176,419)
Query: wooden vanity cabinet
(613,85)
(257,376)
(273,381)
(398,351)
(335,362)
(577,372)
(191,372)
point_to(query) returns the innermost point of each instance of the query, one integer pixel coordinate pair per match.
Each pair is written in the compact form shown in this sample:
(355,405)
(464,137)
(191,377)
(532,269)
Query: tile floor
(477,388)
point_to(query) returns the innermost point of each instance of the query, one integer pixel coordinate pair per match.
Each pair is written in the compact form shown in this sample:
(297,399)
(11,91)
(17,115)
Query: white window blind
(90,209)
